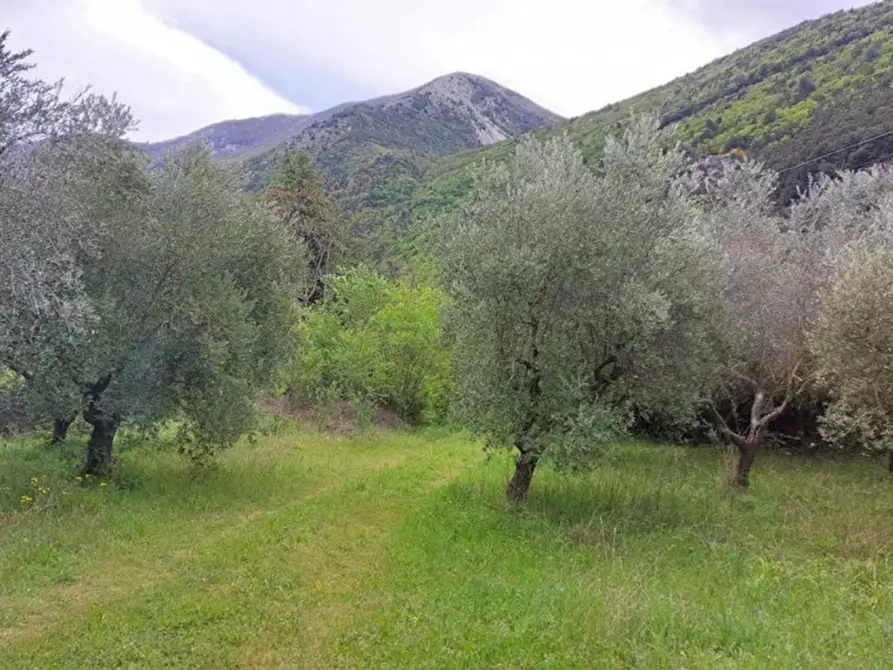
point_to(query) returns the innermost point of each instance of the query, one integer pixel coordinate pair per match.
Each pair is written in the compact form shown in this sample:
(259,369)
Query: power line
(834,153)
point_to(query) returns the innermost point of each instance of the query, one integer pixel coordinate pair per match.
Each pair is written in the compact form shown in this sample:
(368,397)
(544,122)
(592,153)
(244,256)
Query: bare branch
(725,429)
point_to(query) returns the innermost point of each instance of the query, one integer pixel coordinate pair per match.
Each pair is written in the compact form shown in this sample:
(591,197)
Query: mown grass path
(252,565)
(396,550)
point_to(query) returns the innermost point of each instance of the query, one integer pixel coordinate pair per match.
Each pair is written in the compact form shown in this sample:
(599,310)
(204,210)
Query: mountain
(815,97)
(235,139)
(375,153)
(453,112)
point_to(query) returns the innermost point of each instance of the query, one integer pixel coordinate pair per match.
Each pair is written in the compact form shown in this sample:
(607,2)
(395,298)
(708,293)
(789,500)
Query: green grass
(396,550)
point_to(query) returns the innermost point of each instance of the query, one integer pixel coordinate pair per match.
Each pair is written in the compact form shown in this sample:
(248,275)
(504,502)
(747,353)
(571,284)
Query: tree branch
(743,377)
(725,430)
(790,394)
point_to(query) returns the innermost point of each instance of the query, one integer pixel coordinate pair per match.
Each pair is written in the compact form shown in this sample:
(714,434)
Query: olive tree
(168,299)
(770,277)
(51,217)
(579,299)
(34,111)
(761,329)
(37,216)
(853,343)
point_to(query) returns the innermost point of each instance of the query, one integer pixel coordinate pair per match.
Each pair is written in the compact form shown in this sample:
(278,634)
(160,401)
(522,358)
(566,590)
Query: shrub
(374,342)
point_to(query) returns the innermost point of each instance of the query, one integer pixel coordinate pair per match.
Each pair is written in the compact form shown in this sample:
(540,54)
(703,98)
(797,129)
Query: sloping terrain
(375,154)
(235,139)
(815,97)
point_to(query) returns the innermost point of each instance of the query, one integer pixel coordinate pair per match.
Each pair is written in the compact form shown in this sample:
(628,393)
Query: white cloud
(570,55)
(173,81)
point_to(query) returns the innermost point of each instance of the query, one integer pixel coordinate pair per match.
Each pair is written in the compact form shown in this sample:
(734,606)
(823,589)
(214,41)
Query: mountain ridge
(803,101)
(471,95)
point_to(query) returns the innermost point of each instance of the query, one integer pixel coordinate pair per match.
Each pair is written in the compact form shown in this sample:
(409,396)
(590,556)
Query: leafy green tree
(296,192)
(160,297)
(580,300)
(854,344)
(377,343)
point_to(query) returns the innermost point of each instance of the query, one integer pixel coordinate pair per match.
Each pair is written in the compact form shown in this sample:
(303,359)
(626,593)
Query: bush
(374,343)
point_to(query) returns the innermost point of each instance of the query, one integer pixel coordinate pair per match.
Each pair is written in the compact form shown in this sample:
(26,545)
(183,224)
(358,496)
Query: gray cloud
(759,18)
(572,57)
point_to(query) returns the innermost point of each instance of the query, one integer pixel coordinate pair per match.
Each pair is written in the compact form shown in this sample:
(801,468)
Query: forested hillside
(808,99)
(813,98)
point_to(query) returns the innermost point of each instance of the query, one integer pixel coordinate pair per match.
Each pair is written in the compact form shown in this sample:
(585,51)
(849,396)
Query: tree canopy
(579,299)
(161,296)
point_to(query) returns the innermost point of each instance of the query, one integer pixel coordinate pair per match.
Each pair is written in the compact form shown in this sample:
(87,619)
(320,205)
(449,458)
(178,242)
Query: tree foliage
(62,163)
(296,193)
(374,342)
(32,110)
(770,279)
(161,296)
(855,347)
(854,339)
(778,269)
(579,298)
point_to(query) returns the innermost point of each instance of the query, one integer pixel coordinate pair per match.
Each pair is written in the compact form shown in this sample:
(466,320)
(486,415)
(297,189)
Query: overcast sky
(182,64)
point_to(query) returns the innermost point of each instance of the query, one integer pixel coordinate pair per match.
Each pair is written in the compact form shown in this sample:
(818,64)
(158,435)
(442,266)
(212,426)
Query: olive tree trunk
(750,441)
(100,454)
(519,484)
(747,454)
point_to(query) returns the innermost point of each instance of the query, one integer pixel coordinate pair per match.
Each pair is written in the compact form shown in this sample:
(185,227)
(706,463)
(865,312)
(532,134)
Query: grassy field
(396,550)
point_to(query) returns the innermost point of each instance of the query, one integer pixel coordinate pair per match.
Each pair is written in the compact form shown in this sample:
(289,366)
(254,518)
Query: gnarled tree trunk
(747,454)
(519,484)
(528,457)
(749,443)
(100,460)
